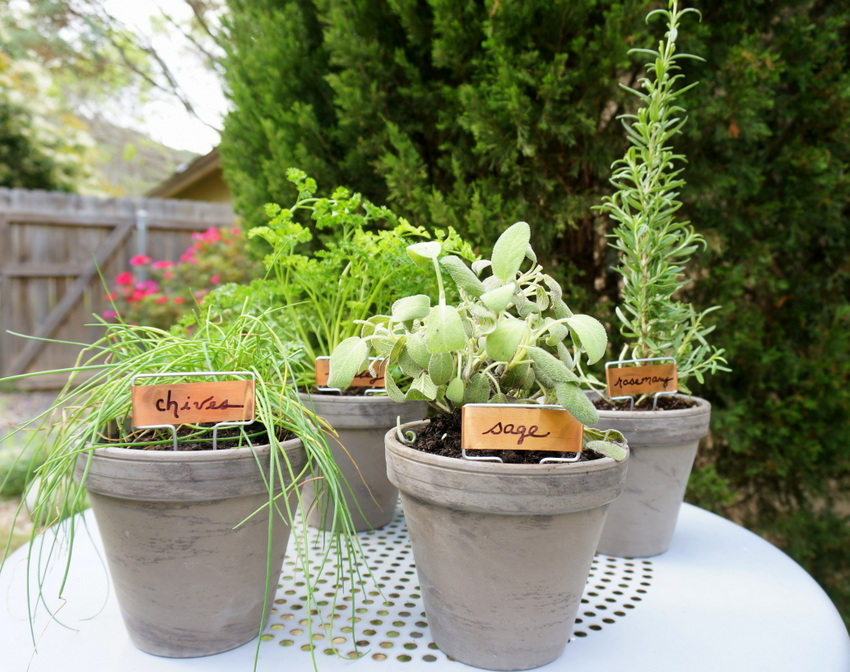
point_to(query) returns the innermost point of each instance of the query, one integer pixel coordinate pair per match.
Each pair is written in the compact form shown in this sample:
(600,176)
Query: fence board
(54,250)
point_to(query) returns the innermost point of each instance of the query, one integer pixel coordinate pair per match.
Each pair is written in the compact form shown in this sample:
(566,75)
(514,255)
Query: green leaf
(411,308)
(422,389)
(478,390)
(552,367)
(393,390)
(502,343)
(509,251)
(418,349)
(590,335)
(608,449)
(455,391)
(444,332)
(498,299)
(423,253)
(347,360)
(441,367)
(463,277)
(572,398)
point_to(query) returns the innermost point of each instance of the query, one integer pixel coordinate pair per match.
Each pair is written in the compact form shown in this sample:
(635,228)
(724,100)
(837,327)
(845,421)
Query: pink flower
(161,299)
(167,275)
(140,260)
(179,299)
(211,235)
(125,278)
(138,295)
(162,264)
(188,255)
(215,279)
(111,296)
(109,314)
(148,287)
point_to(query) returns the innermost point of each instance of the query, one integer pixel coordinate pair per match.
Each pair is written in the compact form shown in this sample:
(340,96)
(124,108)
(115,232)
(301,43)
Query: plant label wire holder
(322,373)
(651,363)
(199,410)
(524,431)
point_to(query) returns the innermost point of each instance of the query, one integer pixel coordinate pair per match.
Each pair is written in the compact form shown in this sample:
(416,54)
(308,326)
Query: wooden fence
(56,252)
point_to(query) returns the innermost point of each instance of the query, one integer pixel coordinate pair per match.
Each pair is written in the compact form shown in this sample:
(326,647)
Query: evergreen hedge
(478,114)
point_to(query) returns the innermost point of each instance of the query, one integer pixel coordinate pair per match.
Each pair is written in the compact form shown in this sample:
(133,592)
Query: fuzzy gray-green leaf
(411,308)
(348,359)
(445,330)
(509,251)
(572,398)
(608,449)
(590,334)
(498,299)
(441,367)
(455,391)
(463,277)
(552,367)
(502,343)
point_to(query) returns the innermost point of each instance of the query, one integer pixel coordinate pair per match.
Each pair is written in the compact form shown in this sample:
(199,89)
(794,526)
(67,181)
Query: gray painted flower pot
(502,551)
(663,446)
(361,423)
(188,583)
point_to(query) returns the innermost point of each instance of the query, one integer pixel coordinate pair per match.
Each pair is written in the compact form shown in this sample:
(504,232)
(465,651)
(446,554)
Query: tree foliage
(471,113)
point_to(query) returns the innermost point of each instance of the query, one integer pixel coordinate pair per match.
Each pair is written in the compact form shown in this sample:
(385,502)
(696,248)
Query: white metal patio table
(721,599)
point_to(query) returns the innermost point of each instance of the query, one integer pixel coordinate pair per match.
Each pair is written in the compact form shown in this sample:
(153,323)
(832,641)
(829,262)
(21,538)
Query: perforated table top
(720,598)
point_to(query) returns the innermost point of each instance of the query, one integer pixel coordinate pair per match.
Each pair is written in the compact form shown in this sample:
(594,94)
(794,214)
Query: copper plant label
(642,379)
(502,427)
(363,379)
(222,401)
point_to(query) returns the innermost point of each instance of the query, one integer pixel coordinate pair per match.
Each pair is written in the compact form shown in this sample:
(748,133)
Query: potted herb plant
(503,550)
(194,518)
(358,261)
(665,338)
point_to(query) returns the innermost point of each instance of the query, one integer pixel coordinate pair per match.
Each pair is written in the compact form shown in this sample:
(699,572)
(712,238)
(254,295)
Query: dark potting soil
(665,403)
(442,436)
(228,437)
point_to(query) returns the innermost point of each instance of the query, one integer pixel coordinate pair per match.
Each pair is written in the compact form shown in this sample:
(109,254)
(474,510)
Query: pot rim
(476,467)
(701,406)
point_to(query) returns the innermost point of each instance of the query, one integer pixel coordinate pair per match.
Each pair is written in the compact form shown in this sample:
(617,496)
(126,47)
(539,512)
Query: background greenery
(477,114)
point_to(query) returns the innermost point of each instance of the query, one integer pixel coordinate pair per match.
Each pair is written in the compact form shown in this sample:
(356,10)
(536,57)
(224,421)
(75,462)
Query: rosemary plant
(654,245)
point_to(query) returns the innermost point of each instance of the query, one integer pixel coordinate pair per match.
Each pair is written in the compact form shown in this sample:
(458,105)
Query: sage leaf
(421,253)
(573,399)
(478,390)
(455,391)
(347,360)
(509,251)
(502,343)
(445,331)
(608,449)
(418,350)
(422,389)
(463,277)
(411,308)
(590,335)
(441,367)
(498,299)
(552,367)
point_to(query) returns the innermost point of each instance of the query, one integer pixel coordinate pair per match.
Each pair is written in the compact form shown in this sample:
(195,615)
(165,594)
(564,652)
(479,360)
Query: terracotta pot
(360,422)
(663,446)
(189,582)
(503,551)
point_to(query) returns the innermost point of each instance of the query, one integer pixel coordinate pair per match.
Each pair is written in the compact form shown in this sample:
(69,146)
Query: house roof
(180,182)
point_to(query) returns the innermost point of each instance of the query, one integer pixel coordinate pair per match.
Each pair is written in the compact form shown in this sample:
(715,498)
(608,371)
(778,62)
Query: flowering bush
(158,293)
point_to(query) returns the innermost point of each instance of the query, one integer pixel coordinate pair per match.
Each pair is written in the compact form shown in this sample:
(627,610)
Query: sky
(166,121)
